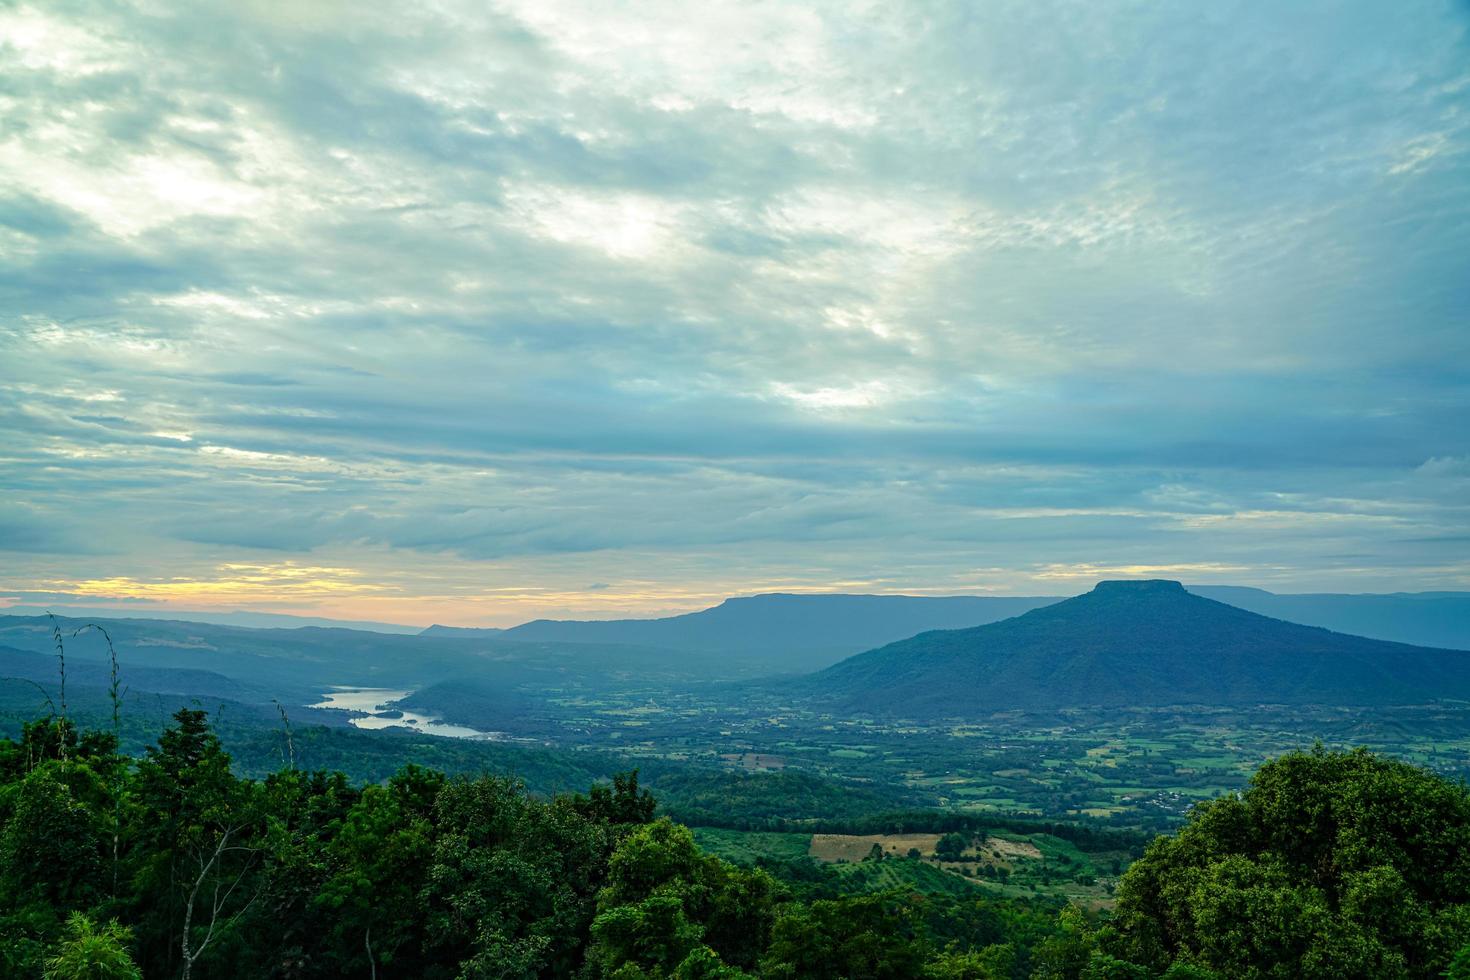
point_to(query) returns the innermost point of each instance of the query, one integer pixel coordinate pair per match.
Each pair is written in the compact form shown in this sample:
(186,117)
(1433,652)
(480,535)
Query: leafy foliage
(88,951)
(1330,864)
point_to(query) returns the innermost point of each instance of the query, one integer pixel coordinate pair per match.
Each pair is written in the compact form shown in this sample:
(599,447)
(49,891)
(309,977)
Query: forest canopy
(173,865)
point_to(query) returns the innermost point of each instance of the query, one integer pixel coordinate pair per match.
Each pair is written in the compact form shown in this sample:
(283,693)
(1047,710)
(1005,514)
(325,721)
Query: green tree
(1188,971)
(197,847)
(876,937)
(705,964)
(665,899)
(1065,955)
(1459,968)
(997,962)
(512,886)
(1329,864)
(652,936)
(50,851)
(951,846)
(739,912)
(88,951)
(1101,966)
(622,803)
(380,859)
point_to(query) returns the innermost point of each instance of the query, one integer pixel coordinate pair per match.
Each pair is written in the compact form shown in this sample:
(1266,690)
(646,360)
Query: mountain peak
(1136,643)
(1146,586)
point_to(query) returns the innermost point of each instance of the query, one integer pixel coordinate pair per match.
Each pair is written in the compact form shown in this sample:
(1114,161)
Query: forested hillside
(1131,643)
(172,865)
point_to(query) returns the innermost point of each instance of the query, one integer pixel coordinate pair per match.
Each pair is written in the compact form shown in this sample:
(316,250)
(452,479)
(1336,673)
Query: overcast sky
(477,312)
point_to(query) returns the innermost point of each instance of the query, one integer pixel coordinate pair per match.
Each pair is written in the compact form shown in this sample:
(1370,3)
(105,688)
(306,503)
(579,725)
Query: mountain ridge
(1432,619)
(799,631)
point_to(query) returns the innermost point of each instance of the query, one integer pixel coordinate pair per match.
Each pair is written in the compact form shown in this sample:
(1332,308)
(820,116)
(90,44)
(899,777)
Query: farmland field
(1002,862)
(1127,768)
(856,847)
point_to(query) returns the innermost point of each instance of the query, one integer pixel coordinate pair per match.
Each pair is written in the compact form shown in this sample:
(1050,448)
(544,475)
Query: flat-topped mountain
(1136,643)
(795,632)
(1431,619)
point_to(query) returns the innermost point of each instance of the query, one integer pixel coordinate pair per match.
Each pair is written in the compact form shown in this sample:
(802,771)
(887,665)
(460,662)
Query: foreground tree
(512,885)
(50,849)
(669,909)
(379,858)
(88,951)
(1330,864)
(875,937)
(197,847)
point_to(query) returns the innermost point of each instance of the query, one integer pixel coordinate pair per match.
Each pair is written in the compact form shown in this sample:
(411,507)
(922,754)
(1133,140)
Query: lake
(374,702)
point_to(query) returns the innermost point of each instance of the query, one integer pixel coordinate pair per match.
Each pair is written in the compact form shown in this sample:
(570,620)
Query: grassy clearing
(1001,862)
(1012,847)
(856,847)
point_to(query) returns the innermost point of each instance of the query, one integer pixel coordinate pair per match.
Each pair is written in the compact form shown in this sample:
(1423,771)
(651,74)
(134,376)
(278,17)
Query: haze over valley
(897,692)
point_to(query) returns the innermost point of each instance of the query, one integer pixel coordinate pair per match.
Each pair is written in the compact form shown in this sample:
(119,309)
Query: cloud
(921,297)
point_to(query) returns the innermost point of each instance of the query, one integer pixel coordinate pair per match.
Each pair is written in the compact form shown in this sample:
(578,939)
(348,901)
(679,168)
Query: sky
(478,312)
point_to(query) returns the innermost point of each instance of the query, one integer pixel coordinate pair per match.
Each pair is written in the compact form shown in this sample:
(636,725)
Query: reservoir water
(379,711)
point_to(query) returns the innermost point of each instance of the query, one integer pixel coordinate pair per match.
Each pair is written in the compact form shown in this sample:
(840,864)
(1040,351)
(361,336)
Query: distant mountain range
(247,620)
(1431,619)
(1134,644)
(809,631)
(296,665)
(741,638)
(41,669)
(790,633)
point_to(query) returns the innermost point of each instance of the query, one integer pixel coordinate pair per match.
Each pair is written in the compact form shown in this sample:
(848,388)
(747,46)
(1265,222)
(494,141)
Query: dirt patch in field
(855,847)
(1011,848)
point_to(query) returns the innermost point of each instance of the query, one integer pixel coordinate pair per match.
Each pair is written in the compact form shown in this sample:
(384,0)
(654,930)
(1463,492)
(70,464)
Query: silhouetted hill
(296,665)
(239,617)
(792,632)
(42,668)
(1431,619)
(1136,644)
(481,704)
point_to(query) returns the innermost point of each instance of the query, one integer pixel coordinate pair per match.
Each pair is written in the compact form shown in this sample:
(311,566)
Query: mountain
(1431,619)
(291,662)
(788,632)
(248,620)
(485,706)
(296,665)
(41,668)
(1135,644)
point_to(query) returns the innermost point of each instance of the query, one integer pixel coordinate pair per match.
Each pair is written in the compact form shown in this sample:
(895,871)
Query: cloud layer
(447,311)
